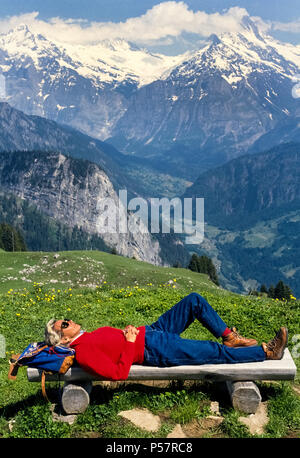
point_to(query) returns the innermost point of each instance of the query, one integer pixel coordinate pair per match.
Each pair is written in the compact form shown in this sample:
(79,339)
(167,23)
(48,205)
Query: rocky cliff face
(21,132)
(69,190)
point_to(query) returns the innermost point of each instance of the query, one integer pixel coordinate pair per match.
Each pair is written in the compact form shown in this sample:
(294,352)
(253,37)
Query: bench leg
(245,396)
(76,397)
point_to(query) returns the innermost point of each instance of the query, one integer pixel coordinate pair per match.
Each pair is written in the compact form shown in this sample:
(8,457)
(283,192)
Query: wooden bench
(239,378)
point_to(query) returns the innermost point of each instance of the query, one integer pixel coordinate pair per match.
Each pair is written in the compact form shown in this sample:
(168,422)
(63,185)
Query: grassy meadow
(99,289)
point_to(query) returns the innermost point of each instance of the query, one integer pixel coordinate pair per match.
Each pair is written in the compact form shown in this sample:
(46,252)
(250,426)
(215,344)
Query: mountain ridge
(85,87)
(21,132)
(212,107)
(103,95)
(250,184)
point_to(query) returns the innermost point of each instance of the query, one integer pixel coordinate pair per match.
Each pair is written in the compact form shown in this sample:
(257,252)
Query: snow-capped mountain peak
(118,60)
(260,48)
(21,38)
(252,31)
(61,81)
(21,43)
(107,62)
(237,55)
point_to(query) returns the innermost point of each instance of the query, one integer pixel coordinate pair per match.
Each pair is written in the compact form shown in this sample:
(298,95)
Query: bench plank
(284,369)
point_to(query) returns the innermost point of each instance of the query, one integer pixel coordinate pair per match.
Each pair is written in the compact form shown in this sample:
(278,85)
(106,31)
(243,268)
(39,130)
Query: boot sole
(287,336)
(241,346)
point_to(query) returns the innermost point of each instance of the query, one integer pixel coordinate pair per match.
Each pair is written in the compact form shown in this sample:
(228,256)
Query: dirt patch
(202,427)
(296,389)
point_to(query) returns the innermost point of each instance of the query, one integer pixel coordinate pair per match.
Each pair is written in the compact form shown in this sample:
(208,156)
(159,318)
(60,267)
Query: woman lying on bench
(110,352)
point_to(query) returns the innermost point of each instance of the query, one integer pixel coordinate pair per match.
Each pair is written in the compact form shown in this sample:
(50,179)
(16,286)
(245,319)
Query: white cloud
(293,26)
(164,20)
(10,22)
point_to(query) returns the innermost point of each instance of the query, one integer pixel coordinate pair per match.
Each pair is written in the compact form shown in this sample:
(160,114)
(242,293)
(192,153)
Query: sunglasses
(65,323)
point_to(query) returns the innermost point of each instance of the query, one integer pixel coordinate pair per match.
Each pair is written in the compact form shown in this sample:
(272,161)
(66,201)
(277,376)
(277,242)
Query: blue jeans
(164,346)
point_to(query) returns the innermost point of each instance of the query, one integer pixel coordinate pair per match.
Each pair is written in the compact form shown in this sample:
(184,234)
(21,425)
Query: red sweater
(107,353)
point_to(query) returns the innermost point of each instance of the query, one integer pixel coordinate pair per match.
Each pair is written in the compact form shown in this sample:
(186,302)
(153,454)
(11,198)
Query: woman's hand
(130,333)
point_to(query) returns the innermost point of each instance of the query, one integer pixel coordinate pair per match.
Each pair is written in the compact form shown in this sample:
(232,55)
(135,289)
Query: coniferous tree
(41,232)
(11,238)
(271,291)
(212,272)
(282,291)
(203,264)
(279,290)
(263,289)
(287,292)
(193,264)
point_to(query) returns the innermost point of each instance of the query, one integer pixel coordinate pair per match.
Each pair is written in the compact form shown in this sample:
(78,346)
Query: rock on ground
(258,420)
(142,418)
(176,433)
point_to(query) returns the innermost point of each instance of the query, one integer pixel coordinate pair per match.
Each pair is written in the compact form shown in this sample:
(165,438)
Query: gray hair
(52,337)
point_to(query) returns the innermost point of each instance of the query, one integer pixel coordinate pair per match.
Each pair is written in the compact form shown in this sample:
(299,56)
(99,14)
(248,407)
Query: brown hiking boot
(235,340)
(274,348)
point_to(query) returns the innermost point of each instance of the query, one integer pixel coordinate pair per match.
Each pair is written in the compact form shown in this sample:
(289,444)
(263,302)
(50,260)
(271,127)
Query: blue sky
(118,10)
(282,18)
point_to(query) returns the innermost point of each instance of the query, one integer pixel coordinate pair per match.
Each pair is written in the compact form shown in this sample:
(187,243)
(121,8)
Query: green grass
(78,269)
(98,289)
